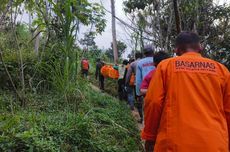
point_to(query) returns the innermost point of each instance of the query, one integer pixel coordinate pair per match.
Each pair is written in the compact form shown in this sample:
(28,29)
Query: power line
(134,29)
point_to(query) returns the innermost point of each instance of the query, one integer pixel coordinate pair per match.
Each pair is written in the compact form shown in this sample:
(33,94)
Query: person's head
(148,51)
(102,62)
(138,55)
(159,56)
(131,60)
(98,59)
(187,42)
(125,62)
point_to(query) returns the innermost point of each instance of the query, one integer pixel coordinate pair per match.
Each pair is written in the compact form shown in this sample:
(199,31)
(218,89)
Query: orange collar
(191,54)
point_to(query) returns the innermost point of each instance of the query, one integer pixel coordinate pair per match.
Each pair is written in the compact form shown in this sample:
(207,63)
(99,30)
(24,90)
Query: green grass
(100,124)
(111,85)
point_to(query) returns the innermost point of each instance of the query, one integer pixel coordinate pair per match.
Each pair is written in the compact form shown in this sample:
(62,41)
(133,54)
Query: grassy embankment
(98,123)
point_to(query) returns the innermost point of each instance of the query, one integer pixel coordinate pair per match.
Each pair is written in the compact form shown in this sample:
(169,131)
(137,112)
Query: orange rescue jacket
(187,106)
(85,64)
(132,77)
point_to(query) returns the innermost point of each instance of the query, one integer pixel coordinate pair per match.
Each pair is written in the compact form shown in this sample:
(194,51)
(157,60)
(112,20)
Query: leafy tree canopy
(121,47)
(155,20)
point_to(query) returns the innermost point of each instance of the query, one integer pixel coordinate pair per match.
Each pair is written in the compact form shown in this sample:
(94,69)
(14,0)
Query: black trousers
(101,82)
(121,90)
(140,100)
(84,72)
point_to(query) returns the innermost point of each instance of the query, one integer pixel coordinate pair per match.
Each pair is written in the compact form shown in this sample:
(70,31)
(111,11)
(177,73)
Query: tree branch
(9,76)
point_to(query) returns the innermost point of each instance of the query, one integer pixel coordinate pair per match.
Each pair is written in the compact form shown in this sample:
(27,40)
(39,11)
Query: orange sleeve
(153,106)
(227,101)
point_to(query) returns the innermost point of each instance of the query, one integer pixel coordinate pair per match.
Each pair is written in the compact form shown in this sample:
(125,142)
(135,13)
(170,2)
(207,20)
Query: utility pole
(115,51)
(177,16)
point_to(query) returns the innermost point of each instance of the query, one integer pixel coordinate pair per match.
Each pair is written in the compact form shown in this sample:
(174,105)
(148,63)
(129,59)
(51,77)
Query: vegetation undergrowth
(111,86)
(100,124)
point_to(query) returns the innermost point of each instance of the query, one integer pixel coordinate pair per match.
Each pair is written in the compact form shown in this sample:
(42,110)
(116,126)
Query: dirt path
(95,88)
(137,117)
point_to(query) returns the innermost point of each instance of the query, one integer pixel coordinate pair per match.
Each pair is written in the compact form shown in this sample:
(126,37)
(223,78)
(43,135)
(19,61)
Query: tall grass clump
(62,68)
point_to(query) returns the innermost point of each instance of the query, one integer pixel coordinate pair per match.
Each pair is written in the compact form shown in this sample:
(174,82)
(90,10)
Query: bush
(102,124)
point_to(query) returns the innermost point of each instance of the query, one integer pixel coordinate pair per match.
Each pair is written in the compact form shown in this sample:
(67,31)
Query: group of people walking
(186,98)
(135,76)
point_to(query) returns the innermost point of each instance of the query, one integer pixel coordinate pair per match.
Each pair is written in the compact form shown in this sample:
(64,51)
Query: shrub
(102,124)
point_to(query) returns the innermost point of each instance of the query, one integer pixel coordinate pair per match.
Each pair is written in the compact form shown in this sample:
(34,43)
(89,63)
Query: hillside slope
(100,123)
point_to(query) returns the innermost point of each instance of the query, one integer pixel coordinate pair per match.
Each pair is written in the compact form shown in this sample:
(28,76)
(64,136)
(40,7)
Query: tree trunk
(115,51)
(141,41)
(177,16)
(197,17)
(19,49)
(136,44)
(21,99)
(158,19)
(37,40)
(30,24)
(36,44)
(169,30)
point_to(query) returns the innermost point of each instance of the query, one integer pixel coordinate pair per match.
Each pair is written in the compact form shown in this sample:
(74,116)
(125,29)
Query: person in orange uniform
(85,67)
(187,106)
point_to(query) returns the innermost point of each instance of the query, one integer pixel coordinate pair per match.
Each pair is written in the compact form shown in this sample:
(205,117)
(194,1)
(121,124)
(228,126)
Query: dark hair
(186,40)
(98,59)
(159,56)
(125,62)
(131,60)
(138,55)
(148,53)
(148,50)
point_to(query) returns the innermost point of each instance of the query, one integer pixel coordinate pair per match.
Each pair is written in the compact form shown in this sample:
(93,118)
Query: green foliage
(67,119)
(62,70)
(89,40)
(79,11)
(10,59)
(209,20)
(131,5)
(101,125)
(61,113)
(121,47)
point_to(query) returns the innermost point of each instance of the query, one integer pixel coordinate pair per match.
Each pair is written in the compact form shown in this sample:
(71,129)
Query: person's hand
(149,146)
(139,98)
(143,91)
(125,88)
